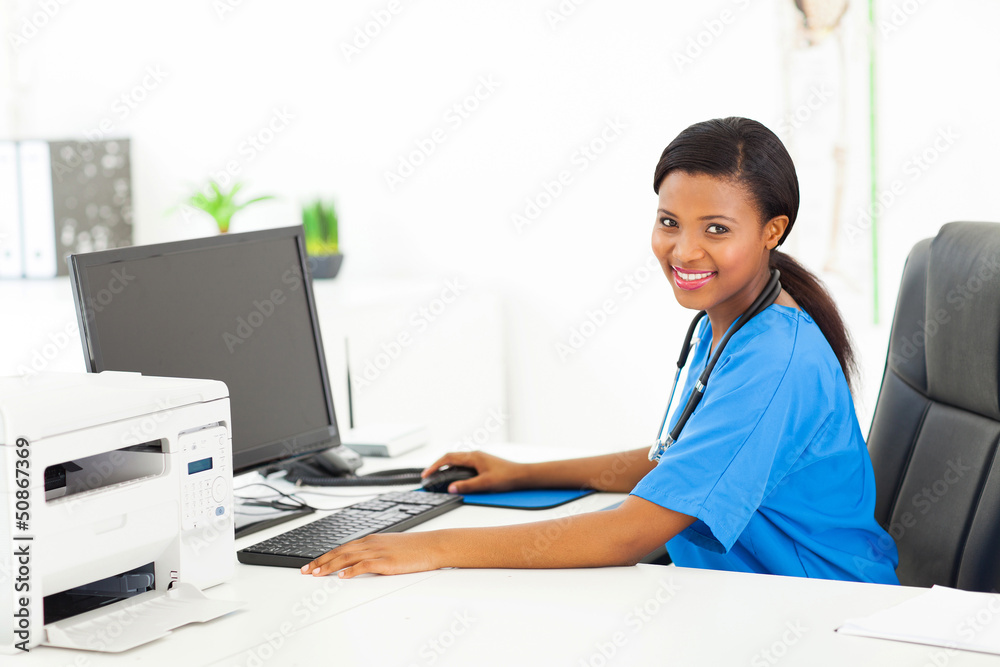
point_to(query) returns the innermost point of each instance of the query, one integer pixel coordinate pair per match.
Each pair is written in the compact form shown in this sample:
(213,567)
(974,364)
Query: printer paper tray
(137,620)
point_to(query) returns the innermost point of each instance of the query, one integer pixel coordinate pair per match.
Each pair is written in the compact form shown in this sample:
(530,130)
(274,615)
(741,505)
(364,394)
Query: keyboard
(386,513)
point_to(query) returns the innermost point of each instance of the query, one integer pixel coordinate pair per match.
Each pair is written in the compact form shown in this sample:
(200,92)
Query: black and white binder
(76,197)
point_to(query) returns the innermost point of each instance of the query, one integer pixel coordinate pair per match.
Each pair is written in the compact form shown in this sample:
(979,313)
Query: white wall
(211,74)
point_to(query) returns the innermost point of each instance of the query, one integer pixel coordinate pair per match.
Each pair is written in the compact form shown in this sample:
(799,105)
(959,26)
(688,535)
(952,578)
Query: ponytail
(809,293)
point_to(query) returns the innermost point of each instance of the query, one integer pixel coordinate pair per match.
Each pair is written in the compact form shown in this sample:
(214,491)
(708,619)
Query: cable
(294,503)
(294,498)
(767,296)
(305,475)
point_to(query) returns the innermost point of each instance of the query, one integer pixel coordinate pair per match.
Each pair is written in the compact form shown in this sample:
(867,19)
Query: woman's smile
(688,279)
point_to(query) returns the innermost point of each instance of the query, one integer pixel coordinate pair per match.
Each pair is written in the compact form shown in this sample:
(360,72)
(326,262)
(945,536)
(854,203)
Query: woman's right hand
(493,473)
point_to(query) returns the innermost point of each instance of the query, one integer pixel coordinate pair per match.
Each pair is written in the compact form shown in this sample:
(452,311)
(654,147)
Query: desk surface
(640,615)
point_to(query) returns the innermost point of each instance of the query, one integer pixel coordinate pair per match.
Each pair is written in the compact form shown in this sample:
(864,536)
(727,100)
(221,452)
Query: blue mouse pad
(529,499)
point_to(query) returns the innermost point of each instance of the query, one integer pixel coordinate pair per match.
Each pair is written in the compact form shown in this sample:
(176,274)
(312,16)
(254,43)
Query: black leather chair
(936,429)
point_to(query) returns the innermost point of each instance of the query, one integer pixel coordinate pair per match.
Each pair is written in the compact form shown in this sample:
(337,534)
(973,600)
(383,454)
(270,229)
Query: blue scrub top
(772,463)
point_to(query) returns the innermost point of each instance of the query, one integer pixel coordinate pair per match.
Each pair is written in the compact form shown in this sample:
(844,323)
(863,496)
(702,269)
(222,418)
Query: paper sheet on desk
(940,617)
(135,621)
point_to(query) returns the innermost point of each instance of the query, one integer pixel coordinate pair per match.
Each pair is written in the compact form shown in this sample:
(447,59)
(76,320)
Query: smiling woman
(769,473)
(734,178)
(712,246)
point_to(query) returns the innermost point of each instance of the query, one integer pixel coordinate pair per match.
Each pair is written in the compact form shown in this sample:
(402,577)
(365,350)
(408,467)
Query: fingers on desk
(391,553)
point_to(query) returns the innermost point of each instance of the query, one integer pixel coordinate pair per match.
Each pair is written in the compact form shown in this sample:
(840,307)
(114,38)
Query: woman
(770,473)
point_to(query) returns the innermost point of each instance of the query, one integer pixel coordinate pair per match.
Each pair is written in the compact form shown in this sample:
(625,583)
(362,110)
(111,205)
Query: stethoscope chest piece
(657,449)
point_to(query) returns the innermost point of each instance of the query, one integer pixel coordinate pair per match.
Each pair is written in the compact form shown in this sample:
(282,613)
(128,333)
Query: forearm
(618,472)
(594,539)
(613,537)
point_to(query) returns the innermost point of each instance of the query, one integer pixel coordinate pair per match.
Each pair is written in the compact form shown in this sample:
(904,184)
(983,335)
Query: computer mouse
(438,481)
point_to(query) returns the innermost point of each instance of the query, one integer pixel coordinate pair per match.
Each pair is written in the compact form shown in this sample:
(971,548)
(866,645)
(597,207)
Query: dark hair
(753,157)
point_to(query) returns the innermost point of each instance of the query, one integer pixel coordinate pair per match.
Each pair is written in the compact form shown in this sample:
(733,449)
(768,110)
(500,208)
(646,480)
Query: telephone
(336,467)
(337,461)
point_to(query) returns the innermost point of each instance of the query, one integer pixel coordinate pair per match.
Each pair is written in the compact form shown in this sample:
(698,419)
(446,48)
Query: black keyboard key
(388,512)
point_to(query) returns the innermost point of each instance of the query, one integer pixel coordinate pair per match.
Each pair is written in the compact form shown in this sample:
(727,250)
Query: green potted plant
(319,220)
(220,204)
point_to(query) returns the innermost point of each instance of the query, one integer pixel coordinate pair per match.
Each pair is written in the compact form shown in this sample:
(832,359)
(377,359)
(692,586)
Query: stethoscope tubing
(766,297)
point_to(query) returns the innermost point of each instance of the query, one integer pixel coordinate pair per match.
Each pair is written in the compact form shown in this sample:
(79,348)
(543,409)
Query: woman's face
(711,244)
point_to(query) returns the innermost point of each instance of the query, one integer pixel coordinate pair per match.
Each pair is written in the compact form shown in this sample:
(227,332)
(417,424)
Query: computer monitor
(237,308)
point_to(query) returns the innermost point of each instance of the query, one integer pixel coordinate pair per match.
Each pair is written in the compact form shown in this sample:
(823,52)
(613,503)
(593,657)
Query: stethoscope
(767,296)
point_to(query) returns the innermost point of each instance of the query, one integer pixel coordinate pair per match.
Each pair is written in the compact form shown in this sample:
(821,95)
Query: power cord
(293,502)
(305,475)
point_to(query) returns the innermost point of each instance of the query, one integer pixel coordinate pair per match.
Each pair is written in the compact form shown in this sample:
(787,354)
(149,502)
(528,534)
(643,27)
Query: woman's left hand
(383,553)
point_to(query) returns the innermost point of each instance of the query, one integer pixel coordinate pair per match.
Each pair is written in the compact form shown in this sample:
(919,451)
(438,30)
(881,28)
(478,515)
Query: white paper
(940,617)
(38,231)
(11,251)
(138,620)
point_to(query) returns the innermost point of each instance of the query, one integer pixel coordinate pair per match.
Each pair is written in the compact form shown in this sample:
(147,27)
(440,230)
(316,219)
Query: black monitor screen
(237,308)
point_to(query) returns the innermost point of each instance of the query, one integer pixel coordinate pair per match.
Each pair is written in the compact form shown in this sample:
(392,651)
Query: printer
(116,495)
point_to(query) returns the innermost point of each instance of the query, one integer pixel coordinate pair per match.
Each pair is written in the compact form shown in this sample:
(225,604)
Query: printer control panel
(205,461)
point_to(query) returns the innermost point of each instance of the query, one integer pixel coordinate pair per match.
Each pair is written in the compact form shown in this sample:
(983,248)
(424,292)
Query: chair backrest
(936,429)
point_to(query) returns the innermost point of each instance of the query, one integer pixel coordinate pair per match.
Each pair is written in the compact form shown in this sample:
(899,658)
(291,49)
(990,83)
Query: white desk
(639,615)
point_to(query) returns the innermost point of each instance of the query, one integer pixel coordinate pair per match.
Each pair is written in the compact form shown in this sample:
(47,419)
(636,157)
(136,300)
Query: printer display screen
(200,466)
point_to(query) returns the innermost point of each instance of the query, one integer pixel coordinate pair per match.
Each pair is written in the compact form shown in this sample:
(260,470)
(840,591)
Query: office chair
(934,437)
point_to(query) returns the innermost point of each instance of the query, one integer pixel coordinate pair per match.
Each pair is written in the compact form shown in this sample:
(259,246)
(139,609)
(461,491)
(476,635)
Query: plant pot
(325,266)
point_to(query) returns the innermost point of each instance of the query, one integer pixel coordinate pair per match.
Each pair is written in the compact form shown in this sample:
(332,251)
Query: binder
(11,262)
(39,228)
(76,197)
